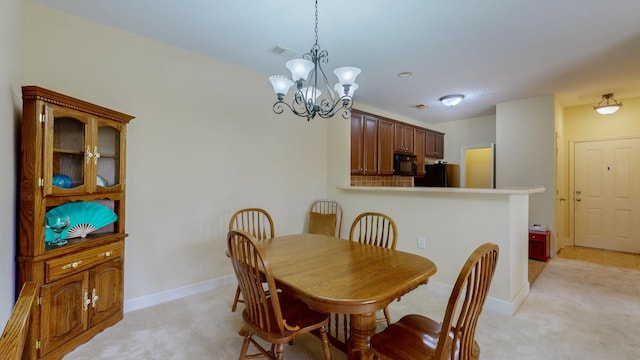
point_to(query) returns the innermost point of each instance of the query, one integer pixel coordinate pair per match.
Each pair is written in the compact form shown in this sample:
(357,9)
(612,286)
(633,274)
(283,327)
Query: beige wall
(204,143)
(11,23)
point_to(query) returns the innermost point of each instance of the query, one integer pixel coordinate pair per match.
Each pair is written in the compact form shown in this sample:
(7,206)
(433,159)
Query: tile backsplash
(394,181)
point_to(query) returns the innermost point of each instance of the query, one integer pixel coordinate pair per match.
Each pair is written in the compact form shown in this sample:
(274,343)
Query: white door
(607,194)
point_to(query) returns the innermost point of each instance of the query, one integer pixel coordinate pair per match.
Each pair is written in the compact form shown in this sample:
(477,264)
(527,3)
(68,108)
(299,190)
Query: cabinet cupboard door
(385,147)
(403,138)
(357,146)
(370,146)
(67,135)
(107,290)
(109,158)
(439,145)
(420,138)
(64,310)
(434,145)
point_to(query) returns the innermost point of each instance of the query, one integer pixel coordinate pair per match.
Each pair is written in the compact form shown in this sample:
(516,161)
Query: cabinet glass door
(66,162)
(109,157)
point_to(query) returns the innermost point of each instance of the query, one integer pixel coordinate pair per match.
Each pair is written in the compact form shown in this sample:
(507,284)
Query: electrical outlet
(422,242)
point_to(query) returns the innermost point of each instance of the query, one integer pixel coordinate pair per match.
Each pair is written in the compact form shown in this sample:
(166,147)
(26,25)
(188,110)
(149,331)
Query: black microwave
(405,165)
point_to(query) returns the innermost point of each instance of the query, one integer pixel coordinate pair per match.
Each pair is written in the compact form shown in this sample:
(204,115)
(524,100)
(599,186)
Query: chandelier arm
(343,104)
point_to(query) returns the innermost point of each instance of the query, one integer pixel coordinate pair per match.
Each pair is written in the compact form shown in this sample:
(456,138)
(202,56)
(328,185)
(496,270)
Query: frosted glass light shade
(310,94)
(608,109)
(280,83)
(451,100)
(299,68)
(339,88)
(347,74)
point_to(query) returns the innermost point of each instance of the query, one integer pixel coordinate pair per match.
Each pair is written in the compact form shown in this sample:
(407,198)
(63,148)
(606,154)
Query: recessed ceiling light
(405,74)
(421,106)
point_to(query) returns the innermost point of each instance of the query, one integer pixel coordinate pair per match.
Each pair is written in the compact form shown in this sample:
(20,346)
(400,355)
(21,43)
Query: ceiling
(492,51)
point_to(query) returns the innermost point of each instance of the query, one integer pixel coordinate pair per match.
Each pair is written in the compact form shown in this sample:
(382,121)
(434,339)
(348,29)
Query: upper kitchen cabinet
(434,144)
(403,138)
(364,144)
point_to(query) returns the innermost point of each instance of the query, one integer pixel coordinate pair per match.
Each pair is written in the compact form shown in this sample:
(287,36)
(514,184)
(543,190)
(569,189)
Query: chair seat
(295,313)
(414,337)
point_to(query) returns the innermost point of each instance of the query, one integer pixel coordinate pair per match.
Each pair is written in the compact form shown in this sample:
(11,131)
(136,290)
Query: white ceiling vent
(285,53)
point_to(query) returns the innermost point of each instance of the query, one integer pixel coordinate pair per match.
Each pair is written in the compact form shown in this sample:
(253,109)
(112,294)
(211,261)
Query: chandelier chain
(316,46)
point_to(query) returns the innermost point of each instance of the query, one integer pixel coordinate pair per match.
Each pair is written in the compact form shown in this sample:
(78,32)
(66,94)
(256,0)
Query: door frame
(463,161)
(572,164)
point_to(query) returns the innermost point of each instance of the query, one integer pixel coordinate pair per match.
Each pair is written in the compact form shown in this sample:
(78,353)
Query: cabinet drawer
(73,263)
(537,236)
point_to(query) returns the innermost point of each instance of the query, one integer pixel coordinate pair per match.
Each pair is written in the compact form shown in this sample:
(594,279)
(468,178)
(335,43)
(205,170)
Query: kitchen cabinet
(72,152)
(364,144)
(420,139)
(403,138)
(434,144)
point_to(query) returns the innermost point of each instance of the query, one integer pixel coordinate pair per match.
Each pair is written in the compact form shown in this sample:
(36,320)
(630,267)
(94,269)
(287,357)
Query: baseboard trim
(174,294)
(492,304)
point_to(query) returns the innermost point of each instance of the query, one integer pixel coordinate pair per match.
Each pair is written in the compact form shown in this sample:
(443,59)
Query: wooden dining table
(334,275)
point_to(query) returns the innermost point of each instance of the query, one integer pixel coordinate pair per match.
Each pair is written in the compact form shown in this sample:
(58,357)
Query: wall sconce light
(606,106)
(451,100)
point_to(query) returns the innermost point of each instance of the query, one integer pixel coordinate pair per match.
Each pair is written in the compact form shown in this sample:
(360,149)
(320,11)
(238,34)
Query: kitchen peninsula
(453,221)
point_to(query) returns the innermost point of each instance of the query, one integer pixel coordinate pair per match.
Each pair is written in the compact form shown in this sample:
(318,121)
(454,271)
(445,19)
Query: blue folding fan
(85,217)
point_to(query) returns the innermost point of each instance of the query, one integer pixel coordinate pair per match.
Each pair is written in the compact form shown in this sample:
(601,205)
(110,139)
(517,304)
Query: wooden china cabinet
(82,282)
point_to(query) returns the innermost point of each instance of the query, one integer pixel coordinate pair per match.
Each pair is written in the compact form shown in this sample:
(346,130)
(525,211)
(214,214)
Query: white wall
(525,156)
(11,23)
(476,131)
(205,142)
(191,146)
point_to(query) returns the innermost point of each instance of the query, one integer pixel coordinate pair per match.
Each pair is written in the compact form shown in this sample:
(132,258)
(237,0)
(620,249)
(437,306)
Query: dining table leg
(362,328)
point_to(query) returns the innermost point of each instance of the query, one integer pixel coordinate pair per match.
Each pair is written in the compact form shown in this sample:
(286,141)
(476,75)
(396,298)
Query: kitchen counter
(454,221)
(503,191)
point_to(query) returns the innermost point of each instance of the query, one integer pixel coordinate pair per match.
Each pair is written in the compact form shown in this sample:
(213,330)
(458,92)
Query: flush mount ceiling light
(306,74)
(606,106)
(451,100)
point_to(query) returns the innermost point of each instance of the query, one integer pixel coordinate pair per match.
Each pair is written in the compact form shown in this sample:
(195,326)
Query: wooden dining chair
(375,229)
(416,337)
(272,315)
(256,222)
(325,217)
(15,331)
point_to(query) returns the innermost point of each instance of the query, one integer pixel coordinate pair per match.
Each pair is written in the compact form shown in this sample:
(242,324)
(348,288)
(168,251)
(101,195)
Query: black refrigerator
(440,175)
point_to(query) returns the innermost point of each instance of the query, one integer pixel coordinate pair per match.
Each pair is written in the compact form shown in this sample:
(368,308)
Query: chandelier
(308,75)
(606,107)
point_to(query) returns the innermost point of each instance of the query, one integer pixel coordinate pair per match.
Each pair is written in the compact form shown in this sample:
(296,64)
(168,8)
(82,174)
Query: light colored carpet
(576,310)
